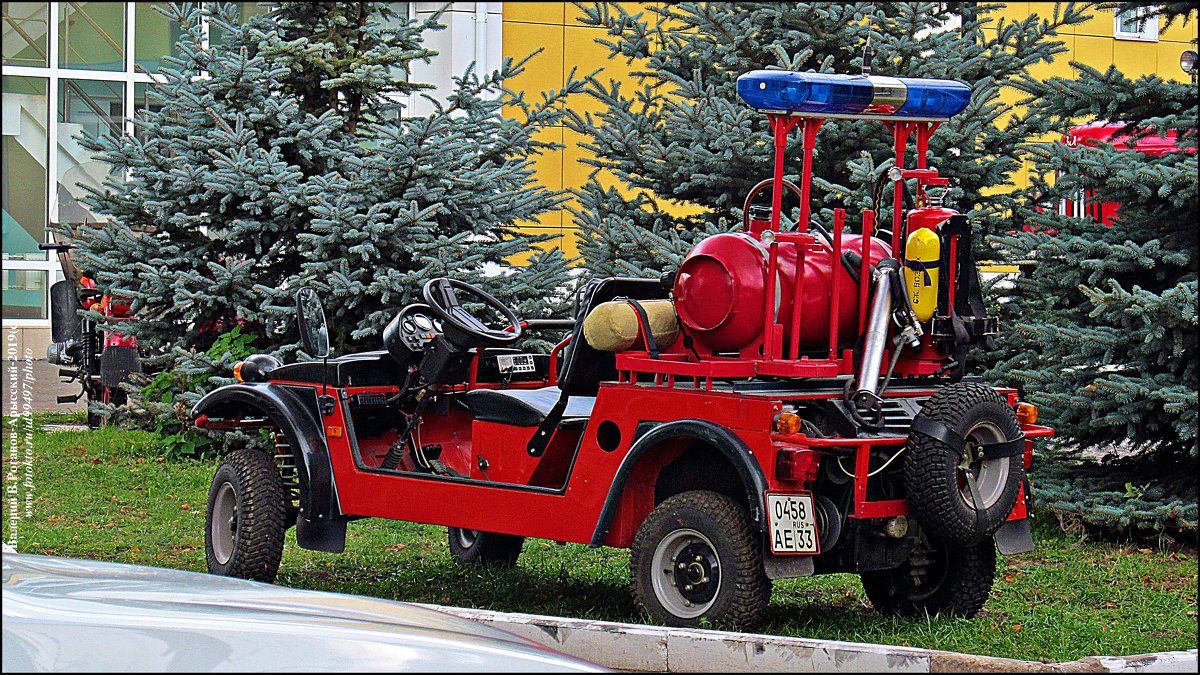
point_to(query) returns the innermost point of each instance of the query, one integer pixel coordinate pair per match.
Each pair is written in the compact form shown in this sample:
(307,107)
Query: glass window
(96,108)
(144,98)
(154,36)
(1135,24)
(244,12)
(26,27)
(25,294)
(24,171)
(91,35)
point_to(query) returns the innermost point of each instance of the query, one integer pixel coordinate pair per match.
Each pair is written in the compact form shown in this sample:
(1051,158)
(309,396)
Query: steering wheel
(758,190)
(461,326)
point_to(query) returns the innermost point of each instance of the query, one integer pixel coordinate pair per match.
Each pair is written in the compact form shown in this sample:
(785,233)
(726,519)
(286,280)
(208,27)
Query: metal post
(900,131)
(839,221)
(864,275)
(808,131)
(770,349)
(797,300)
(780,125)
(924,131)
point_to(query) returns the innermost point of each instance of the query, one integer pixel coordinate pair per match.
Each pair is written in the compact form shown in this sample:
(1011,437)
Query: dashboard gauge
(437,325)
(422,322)
(408,327)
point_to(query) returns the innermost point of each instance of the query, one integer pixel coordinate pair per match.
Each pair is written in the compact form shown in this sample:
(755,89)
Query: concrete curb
(660,649)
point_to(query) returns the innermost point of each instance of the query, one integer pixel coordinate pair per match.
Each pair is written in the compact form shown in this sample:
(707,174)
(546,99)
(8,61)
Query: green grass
(106,495)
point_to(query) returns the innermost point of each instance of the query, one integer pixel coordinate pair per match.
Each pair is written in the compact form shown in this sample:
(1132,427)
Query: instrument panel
(418,327)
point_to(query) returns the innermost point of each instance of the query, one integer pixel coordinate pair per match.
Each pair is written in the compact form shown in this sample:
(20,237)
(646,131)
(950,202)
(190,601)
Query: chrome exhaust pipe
(865,400)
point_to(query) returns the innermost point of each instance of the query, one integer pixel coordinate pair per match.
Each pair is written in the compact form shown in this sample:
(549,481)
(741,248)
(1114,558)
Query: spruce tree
(1102,331)
(283,157)
(681,137)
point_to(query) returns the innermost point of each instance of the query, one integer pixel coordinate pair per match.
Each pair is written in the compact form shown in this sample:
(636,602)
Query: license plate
(793,524)
(515,363)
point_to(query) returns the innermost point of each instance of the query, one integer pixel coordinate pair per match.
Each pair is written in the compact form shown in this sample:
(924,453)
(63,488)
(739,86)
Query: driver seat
(582,370)
(527,407)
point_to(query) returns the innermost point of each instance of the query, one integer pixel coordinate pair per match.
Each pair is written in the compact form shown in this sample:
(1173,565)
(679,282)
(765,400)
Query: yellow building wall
(566,43)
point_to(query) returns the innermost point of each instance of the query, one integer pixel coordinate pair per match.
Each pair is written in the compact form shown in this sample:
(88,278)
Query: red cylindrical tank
(928,217)
(720,291)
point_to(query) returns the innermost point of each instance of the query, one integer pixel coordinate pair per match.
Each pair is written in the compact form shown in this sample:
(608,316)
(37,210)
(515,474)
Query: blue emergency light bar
(835,95)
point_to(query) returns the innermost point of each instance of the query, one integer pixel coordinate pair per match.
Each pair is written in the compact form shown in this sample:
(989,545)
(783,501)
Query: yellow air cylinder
(922,253)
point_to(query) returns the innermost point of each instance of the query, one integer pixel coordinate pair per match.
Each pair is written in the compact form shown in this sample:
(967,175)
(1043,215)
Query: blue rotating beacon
(838,95)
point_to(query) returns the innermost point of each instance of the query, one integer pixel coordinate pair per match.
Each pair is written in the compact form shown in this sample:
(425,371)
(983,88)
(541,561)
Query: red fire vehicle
(1084,203)
(786,403)
(99,358)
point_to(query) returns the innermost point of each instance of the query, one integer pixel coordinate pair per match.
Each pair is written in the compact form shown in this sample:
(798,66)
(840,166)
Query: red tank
(721,285)
(929,217)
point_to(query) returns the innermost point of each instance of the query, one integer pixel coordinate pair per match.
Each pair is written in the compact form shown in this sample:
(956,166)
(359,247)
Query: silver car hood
(65,614)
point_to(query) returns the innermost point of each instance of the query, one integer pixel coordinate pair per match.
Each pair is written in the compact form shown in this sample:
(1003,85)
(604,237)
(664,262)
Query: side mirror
(314,333)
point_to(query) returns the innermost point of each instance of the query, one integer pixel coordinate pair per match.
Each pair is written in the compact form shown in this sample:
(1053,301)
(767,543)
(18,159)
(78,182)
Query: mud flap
(329,537)
(1015,537)
(117,363)
(787,566)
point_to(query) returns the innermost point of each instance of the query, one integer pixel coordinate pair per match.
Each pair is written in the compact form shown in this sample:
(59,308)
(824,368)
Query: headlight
(255,368)
(1187,61)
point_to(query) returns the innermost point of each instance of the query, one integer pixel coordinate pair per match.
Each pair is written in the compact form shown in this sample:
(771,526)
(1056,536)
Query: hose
(876,472)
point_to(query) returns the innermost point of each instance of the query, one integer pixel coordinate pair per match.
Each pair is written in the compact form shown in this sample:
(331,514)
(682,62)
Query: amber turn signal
(787,423)
(1027,413)
(237,371)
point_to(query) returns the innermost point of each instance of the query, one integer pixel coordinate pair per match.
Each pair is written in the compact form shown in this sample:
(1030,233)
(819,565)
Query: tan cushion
(613,326)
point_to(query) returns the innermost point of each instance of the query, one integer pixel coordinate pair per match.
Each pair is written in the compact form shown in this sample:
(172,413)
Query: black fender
(722,438)
(294,410)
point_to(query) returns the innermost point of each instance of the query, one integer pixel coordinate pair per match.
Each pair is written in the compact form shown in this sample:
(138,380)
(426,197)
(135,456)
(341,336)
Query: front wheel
(698,557)
(247,517)
(474,547)
(936,578)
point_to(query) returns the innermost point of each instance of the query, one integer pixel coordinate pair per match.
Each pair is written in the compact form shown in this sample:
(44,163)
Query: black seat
(580,373)
(526,407)
(584,367)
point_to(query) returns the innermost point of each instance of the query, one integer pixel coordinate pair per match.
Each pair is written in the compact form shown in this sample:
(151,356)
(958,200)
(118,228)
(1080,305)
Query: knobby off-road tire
(247,517)
(935,474)
(697,556)
(473,547)
(936,578)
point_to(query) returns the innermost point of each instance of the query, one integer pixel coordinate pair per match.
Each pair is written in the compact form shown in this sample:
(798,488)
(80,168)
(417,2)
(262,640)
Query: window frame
(53,74)
(1148,31)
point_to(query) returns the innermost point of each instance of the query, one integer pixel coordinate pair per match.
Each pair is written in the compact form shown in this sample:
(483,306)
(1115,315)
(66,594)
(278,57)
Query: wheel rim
(467,538)
(687,573)
(224,523)
(991,475)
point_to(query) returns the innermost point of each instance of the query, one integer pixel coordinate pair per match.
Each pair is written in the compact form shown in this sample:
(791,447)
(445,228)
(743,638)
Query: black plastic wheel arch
(722,438)
(294,411)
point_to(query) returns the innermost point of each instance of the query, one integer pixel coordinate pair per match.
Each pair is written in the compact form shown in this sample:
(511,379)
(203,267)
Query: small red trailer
(789,402)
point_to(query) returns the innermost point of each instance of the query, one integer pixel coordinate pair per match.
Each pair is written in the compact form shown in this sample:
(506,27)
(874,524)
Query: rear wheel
(474,547)
(936,578)
(698,557)
(247,517)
